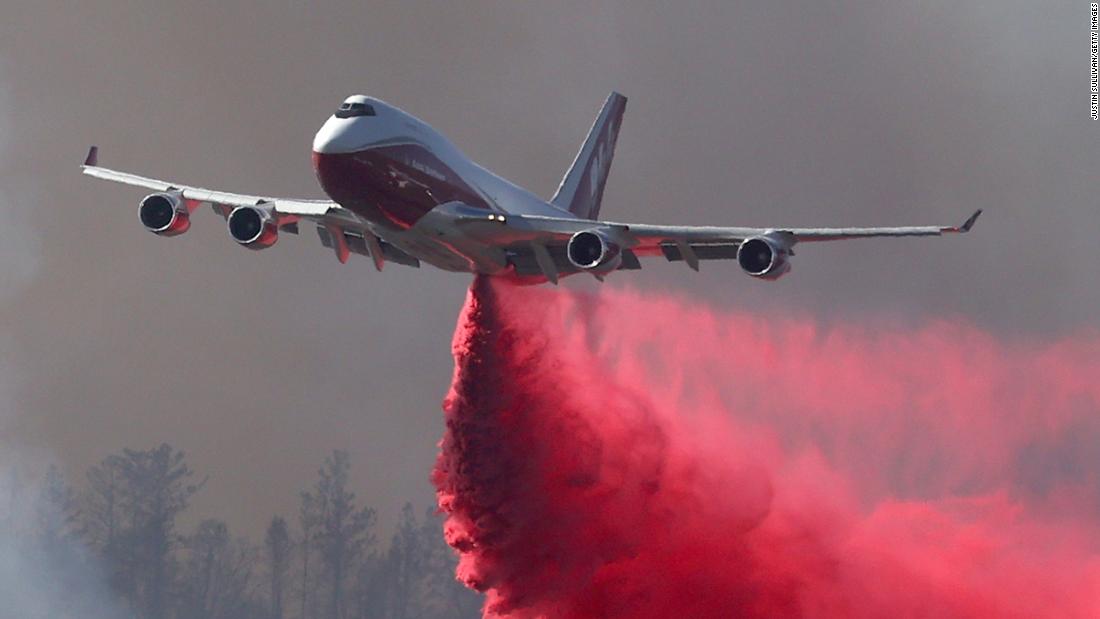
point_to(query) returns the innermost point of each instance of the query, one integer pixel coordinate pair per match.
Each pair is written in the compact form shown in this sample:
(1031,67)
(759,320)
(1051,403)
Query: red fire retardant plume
(613,456)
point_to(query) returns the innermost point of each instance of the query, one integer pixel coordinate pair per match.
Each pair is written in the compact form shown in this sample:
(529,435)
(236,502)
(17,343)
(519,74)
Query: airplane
(401,192)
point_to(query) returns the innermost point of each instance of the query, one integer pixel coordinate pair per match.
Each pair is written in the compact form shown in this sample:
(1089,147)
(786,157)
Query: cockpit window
(351,110)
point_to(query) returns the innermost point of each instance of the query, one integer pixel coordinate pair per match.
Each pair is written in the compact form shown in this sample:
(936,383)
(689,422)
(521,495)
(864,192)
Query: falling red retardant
(613,456)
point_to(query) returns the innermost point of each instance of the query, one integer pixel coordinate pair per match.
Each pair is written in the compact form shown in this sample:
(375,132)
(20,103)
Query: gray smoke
(45,571)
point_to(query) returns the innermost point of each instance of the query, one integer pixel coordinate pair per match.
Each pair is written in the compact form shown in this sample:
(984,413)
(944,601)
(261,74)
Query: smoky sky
(257,364)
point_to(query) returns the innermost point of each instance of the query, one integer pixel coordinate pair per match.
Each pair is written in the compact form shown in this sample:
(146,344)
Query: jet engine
(255,227)
(592,250)
(165,214)
(765,257)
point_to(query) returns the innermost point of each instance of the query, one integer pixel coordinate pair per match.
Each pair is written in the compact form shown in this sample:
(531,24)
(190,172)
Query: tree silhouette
(344,531)
(56,514)
(217,577)
(127,516)
(308,521)
(277,548)
(155,487)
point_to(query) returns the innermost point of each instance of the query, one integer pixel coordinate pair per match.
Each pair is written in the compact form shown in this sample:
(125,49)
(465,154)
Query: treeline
(325,562)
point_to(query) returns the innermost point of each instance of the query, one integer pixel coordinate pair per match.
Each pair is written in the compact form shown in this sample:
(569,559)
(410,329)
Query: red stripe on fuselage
(391,185)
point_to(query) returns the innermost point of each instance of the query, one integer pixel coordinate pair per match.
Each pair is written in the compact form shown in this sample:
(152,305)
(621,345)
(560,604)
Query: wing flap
(703,251)
(357,243)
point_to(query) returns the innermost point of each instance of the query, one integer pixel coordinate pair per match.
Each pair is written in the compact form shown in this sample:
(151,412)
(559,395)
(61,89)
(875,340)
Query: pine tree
(344,531)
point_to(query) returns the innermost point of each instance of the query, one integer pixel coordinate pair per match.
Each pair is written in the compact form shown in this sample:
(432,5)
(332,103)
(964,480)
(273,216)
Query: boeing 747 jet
(400,192)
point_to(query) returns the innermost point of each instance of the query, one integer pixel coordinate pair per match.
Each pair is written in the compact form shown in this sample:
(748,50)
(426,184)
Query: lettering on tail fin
(581,190)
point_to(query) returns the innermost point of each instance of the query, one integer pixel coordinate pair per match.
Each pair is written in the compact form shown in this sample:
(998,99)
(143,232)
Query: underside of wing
(554,247)
(254,221)
(525,260)
(289,206)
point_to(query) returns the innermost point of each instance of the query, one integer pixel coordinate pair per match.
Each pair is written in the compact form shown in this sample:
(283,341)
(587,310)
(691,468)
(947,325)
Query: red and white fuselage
(394,170)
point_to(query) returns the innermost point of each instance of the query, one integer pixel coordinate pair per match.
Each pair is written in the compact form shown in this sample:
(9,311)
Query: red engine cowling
(165,214)
(254,227)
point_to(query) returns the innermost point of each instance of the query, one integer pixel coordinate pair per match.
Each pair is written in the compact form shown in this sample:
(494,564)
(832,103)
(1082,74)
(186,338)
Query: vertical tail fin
(581,189)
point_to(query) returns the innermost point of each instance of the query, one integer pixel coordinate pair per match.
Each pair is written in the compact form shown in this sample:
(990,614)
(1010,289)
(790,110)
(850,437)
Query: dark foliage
(113,550)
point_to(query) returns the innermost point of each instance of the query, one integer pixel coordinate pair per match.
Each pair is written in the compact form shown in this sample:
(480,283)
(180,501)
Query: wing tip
(969,223)
(92,160)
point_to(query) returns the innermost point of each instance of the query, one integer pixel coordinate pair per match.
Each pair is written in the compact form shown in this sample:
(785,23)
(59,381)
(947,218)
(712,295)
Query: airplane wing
(338,228)
(540,245)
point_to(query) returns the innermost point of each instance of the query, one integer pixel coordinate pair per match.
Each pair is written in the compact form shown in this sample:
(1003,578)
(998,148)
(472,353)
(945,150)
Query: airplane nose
(339,135)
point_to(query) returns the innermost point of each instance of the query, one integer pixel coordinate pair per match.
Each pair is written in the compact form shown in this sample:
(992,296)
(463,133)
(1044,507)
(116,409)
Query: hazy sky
(259,363)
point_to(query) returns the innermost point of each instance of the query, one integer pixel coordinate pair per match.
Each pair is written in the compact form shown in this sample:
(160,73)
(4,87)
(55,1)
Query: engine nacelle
(165,214)
(593,250)
(764,257)
(255,227)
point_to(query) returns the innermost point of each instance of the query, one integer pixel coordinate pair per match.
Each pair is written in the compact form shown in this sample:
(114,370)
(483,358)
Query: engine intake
(164,214)
(253,226)
(592,250)
(764,257)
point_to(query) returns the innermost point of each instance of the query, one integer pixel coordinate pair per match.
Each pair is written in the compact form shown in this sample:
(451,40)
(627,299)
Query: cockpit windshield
(351,109)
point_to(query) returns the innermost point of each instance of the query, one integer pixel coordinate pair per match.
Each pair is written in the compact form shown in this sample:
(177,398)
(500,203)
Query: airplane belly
(438,241)
(427,250)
